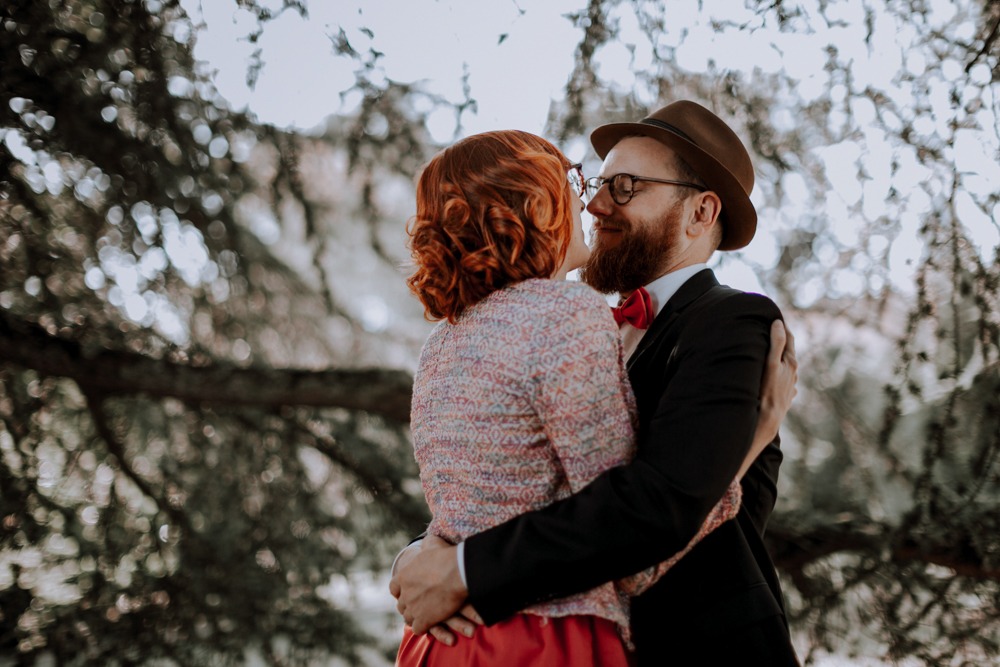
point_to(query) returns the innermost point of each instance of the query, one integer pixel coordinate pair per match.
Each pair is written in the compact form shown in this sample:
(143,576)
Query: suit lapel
(693,288)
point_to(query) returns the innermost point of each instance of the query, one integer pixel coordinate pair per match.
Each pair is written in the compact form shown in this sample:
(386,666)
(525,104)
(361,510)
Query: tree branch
(104,429)
(988,41)
(385,484)
(382,392)
(793,547)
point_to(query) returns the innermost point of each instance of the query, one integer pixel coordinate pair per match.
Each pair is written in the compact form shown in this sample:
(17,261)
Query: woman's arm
(777,390)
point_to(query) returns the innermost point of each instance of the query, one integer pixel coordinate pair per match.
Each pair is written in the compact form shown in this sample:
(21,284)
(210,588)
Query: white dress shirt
(660,291)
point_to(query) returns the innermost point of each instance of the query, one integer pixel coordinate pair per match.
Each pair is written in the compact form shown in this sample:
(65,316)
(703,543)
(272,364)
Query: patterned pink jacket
(522,402)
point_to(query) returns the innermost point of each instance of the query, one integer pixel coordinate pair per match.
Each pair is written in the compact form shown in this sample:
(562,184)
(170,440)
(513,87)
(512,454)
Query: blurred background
(206,343)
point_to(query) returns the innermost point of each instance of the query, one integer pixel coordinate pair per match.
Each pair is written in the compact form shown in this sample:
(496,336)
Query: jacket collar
(693,288)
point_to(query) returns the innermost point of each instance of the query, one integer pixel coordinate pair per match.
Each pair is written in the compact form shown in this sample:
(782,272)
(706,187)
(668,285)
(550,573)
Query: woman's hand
(462,623)
(781,372)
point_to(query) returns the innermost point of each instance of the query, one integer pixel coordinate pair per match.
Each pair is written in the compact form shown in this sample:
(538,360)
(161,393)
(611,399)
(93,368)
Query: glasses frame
(595,183)
(577,181)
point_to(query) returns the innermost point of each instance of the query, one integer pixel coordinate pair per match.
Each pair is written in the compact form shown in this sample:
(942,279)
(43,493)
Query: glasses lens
(575,174)
(621,188)
(591,186)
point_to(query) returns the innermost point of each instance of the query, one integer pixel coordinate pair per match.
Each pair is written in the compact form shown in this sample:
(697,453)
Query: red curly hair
(492,210)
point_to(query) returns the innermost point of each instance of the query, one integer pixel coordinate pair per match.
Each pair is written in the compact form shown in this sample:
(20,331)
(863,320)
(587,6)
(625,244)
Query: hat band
(668,127)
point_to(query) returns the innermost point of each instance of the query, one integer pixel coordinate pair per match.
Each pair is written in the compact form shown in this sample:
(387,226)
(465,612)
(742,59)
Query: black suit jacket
(696,375)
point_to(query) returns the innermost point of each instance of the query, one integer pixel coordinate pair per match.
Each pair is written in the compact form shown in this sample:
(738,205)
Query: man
(674,188)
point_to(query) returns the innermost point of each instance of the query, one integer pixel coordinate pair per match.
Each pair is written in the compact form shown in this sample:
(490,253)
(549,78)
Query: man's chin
(599,277)
(604,240)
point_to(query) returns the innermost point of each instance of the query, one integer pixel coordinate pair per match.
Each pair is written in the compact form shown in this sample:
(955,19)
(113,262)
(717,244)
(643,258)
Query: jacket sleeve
(636,515)
(725,510)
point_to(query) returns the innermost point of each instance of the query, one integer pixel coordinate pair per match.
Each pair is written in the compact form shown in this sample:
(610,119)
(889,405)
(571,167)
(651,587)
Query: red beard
(640,256)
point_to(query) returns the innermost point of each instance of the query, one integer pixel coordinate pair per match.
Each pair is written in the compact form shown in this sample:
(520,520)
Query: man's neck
(663,288)
(674,268)
(676,264)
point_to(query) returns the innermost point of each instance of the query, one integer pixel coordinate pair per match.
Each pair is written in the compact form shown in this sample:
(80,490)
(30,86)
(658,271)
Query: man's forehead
(633,154)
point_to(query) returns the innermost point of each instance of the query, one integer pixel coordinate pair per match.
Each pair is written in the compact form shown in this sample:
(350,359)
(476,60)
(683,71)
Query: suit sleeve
(634,516)
(725,510)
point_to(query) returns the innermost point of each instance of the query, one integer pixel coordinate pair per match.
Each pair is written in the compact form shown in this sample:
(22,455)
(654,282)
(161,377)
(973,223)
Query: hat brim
(738,216)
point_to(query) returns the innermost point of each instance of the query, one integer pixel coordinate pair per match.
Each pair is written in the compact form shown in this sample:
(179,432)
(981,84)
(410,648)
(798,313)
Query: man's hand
(404,557)
(428,587)
(777,389)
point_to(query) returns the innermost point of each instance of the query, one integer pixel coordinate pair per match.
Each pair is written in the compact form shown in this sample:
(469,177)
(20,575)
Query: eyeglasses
(622,186)
(576,179)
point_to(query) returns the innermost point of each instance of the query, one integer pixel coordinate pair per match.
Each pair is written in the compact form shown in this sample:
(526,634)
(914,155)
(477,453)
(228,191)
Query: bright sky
(515,81)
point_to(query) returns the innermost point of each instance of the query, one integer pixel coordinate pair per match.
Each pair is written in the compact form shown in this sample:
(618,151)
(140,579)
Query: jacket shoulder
(722,300)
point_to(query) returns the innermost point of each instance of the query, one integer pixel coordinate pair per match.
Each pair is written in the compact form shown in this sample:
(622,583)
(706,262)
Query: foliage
(181,477)
(203,442)
(881,158)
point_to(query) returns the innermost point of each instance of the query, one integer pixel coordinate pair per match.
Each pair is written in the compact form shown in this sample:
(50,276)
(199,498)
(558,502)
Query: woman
(521,396)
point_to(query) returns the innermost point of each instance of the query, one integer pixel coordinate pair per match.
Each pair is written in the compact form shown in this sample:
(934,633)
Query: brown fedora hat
(712,149)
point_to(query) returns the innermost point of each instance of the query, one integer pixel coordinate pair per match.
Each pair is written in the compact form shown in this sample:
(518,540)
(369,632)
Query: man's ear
(707,207)
(710,206)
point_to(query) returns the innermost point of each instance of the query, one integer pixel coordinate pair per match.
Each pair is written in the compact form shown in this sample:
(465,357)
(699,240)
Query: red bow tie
(637,310)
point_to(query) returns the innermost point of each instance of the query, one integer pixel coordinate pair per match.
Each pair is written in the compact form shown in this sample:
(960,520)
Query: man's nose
(600,204)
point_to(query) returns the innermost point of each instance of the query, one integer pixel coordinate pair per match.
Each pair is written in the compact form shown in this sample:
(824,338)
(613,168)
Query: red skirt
(524,639)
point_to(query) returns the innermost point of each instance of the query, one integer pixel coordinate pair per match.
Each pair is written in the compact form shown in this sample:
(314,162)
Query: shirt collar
(664,287)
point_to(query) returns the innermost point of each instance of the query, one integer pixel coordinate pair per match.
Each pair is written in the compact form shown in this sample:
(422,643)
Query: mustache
(616,224)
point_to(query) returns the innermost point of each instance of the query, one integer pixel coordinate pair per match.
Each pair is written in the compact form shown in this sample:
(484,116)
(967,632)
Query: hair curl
(493,209)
